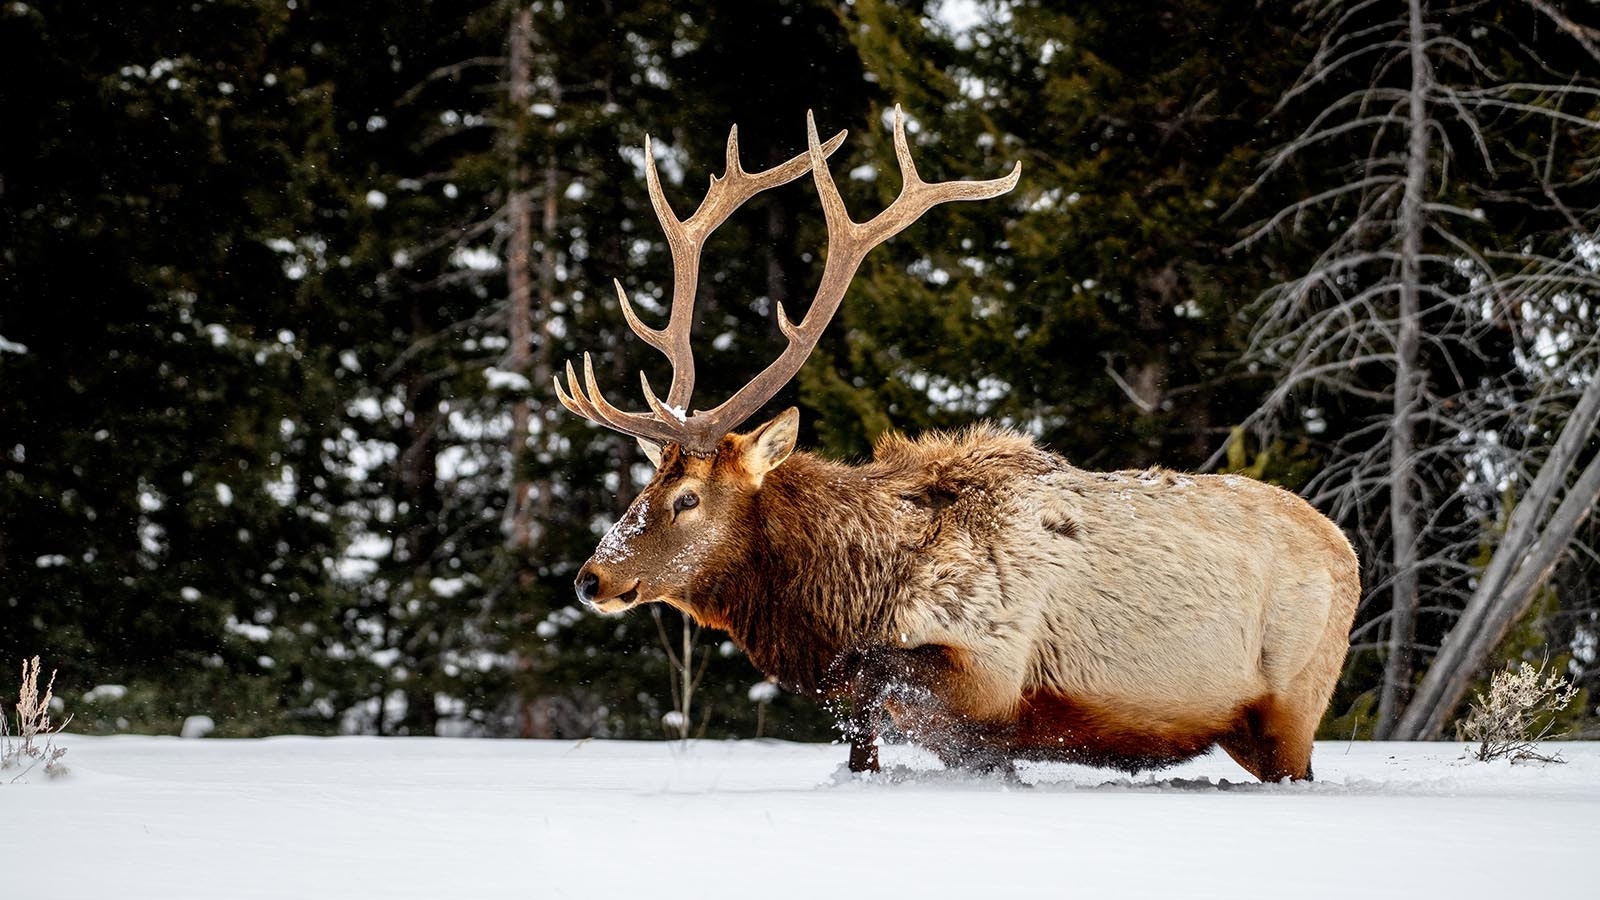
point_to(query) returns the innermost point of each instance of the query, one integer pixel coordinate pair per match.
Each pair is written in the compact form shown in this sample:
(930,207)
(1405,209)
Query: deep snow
(440,818)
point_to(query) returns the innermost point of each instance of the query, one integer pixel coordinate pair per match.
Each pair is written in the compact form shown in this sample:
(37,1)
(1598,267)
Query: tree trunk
(417,494)
(542,352)
(519,517)
(1408,380)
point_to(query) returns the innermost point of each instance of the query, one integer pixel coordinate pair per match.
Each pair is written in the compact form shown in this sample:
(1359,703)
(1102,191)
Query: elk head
(696,515)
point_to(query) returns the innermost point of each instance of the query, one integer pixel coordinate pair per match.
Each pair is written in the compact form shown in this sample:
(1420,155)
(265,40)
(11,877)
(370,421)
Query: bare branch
(1587,38)
(1314,200)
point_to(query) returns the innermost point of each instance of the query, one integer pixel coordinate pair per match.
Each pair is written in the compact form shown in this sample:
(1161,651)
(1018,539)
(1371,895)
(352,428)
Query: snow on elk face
(687,525)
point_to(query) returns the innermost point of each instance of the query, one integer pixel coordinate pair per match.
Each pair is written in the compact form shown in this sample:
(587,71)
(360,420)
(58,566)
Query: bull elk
(985,596)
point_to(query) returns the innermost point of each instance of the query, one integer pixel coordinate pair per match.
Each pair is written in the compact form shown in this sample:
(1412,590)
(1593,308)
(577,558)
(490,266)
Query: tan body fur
(999,603)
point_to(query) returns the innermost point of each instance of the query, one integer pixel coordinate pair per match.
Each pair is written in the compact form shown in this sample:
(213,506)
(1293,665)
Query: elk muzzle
(600,590)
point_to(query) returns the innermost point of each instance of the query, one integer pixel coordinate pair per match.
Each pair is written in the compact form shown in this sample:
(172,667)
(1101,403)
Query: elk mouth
(621,602)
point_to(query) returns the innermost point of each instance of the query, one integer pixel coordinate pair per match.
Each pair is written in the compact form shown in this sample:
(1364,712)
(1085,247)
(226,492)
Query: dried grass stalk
(33,744)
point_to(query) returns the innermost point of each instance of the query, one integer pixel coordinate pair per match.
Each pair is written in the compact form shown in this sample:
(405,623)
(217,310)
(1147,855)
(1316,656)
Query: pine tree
(1101,312)
(165,508)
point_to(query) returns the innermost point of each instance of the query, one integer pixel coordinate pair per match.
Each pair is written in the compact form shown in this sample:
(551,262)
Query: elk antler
(848,244)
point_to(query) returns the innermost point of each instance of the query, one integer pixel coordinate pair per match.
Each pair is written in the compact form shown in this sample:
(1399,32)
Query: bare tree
(1405,346)
(1536,536)
(686,672)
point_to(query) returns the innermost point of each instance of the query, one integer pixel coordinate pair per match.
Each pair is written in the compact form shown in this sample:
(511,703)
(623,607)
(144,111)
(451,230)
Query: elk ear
(652,450)
(768,446)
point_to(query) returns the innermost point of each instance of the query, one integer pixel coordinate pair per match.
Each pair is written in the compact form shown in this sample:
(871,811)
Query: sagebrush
(1517,713)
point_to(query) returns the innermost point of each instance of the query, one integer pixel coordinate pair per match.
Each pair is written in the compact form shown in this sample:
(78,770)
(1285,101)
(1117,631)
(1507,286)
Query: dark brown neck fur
(829,548)
(820,552)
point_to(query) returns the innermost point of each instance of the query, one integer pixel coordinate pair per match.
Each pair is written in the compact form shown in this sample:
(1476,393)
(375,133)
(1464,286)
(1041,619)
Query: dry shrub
(33,744)
(1518,712)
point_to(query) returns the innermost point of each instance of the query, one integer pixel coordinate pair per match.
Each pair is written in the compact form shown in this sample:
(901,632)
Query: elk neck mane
(825,538)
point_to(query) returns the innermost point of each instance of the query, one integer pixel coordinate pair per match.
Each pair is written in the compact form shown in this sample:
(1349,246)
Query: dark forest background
(282,286)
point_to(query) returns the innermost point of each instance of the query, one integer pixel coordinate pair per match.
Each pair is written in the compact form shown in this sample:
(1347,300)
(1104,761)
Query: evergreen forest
(284,285)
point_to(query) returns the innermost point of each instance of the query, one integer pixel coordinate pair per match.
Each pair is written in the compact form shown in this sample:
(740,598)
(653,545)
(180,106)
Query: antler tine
(660,409)
(573,398)
(655,337)
(673,340)
(736,186)
(577,401)
(848,244)
(918,196)
(566,400)
(685,239)
(660,430)
(592,405)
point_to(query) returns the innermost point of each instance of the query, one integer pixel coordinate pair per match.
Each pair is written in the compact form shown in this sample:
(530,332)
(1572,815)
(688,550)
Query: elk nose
(588,585)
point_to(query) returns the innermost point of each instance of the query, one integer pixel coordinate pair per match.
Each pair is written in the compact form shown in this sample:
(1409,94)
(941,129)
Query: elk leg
(864,754)
(852,688)
(959,742)
(1285,748)
(913,687)
(1273,742)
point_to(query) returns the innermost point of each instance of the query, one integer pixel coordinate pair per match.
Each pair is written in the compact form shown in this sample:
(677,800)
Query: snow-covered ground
(439,818)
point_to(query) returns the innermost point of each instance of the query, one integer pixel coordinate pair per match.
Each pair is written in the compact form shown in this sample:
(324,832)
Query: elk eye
(686,500)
